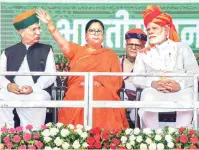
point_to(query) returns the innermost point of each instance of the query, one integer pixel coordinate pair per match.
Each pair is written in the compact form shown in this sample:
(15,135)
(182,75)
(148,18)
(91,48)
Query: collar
(163,45)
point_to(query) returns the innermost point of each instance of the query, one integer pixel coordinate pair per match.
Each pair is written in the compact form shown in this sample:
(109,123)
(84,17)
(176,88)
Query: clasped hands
(166,86)
(14,88)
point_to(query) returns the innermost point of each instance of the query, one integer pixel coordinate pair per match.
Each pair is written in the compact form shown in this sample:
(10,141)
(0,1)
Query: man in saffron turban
(135,40)
(165,55)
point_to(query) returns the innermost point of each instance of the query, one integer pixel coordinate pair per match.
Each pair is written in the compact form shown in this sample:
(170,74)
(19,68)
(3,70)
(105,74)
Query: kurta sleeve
(3,68)
(139,68)
(190,65)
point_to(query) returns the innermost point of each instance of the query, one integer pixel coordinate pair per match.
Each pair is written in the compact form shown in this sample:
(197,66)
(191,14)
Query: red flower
(44,127)
(98,130)
(181,129)
(4,129)
(183,139)
(194,139)
(31,147)
(27,137)
(6,139)
(113,146)
(36,136)
(16,139)
(90,140)
(39,144)
(122,147)
(90,146)
(97,137)
(19,129)
(193,147)
(176,140)
(12,130)
(105,135)
(57,67)
(95,130)
(9,145)
(29,127)
(22,147)
(98,145)
(106,144)
(191,132)
(178,148)
(116,131)
(116,141)
(62,64)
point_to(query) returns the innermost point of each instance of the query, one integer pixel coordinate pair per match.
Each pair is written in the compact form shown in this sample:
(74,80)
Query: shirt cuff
(182,86)
(148,83)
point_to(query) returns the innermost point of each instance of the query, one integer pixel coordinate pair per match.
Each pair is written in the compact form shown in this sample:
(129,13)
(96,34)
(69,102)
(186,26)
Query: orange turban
(154,14)
(136,33)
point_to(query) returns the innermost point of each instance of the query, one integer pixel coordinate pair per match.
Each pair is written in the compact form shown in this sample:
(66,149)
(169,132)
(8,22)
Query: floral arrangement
(59,136)
(61,63)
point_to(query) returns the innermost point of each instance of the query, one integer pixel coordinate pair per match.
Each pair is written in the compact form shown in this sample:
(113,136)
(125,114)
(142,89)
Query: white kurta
(34,116)
(169,57)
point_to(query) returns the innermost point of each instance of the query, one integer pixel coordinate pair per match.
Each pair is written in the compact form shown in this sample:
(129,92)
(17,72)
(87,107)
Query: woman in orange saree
(92,57)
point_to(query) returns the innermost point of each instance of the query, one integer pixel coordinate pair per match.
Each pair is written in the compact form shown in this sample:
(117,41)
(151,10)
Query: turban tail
(25,19)
(154,14)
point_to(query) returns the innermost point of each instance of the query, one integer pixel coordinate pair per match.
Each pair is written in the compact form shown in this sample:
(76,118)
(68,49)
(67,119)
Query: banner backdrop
(71,18)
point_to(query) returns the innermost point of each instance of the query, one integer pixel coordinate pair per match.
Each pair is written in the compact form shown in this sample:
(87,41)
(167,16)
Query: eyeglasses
(130,45)
(93,31)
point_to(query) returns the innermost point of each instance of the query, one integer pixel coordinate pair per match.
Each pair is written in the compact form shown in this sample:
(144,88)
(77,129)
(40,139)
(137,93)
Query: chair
(58,93)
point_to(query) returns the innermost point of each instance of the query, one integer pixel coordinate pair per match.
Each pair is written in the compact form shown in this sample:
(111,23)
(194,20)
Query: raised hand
(43,16)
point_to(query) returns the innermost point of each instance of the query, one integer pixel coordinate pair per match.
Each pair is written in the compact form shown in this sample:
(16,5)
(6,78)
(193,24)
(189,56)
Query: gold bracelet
(51,26)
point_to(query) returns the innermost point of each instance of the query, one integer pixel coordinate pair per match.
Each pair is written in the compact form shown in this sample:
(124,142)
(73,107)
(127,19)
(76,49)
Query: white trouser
(149,117)
(34,116)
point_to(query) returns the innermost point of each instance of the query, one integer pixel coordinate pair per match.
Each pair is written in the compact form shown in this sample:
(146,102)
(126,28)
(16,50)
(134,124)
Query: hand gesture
(14,88)
(172,86)
(160,86)
(43,16)
(26,90)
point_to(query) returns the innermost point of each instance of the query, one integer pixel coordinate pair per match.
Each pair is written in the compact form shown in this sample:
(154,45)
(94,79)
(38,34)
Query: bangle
(51,26)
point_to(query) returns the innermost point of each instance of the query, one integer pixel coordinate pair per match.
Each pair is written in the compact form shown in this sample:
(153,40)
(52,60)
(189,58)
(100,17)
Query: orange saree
(102,60)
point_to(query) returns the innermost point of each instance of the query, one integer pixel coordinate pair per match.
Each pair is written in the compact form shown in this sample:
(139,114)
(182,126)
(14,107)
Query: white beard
(159,38)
